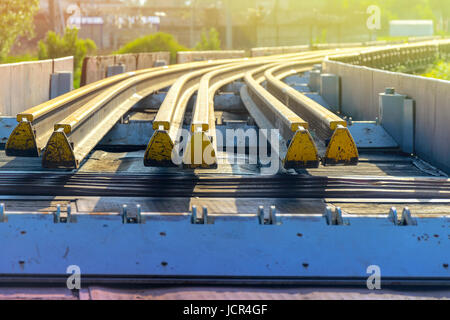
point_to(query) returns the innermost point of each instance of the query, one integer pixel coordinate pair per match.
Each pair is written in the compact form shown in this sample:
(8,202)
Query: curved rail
(35,125)
(70,126)
(169,119)
(297,148)
(201,148)
(77,134)
(341,148)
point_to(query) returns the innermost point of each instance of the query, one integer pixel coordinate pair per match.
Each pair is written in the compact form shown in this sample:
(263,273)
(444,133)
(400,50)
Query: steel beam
(270,113)
(76,135)
(341,149)
(169,119)
(35,125)
(201,148)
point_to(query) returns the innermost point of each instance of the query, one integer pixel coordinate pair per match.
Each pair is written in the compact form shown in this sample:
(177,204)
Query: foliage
(54,46)
(440,70)
(16,19)
(159,41)
(20,58)
(209,41)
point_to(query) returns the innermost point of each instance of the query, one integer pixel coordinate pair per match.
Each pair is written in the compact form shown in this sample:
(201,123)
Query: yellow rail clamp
(341,149)
(200,152)
(159,150)
(302,151)
(59,152)
(22,141)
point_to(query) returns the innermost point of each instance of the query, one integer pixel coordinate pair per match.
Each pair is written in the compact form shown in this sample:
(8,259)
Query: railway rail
(70,126)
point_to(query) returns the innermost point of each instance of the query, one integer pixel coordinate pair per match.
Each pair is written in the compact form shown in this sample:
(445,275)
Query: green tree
(54,46)
(159,41)
(16,19)
(209,41)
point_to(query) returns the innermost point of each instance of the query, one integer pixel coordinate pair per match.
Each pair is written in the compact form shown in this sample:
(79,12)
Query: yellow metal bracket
(302,151)
(22,141)
(341,148)
(200,152)
(159,150)
(59,152)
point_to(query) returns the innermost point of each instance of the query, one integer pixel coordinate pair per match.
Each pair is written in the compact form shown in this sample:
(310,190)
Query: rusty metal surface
(233,293)
(37,293)
(221,293)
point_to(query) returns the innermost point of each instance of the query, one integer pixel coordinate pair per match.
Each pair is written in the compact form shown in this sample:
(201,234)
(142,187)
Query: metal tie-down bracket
(406,220)
(334,217)
(268,218)
(62,217)
(129,218)
(2,213)
(197,217)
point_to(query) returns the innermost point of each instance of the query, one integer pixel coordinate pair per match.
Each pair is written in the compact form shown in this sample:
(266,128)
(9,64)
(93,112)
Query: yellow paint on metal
(164,124)
(22,141)
(66,127)
(302,151)
(335,123)
(200,152)
(199,126)
(59,152)
(341,148)
(298,124)
(159,150)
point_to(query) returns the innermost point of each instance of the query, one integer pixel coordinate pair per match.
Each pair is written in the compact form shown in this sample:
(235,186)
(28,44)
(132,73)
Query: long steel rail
(341,148)
(169,119)
(70,126)
(201,148)
(77,134)
(297,148)
(35,125)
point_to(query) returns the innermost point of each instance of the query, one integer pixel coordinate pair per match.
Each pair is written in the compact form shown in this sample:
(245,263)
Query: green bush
(159,41)
(19,58)
(54,46)
(210,41)
(439,70)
